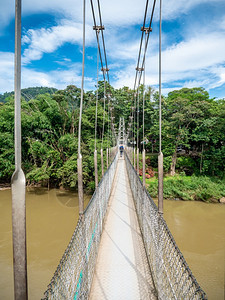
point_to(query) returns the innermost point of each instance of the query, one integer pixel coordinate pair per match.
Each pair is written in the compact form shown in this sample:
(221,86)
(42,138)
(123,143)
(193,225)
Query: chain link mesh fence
(73,276)
(171,275)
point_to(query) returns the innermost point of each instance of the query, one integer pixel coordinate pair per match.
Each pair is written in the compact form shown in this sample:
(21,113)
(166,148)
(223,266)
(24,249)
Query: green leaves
(190,120)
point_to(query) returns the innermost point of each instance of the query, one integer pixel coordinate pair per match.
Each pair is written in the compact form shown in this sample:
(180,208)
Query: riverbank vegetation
(181,187)
(193,137)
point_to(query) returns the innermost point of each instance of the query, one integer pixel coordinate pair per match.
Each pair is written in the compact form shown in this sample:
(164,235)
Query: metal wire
(97,37)
(146,45)
(74,274)
(96,105)
(142,35)
(103,127)
(160,78)
(103,40)
(172,277)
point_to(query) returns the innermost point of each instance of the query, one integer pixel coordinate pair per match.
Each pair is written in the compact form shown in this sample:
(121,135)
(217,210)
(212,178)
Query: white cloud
(117,12)
(173,8)
(199,61)
(6,13)
(48,40)
(6,71)
(56,78)
(197,53)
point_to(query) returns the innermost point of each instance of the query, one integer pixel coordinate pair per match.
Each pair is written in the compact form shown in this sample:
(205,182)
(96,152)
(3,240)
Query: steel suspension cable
(96,119)
(138,100)
(97,36)
(146,44)
(108,122)
(103,40)
(82,83)
(143,124)
(103,129)
(160,157)
(144,97)
(135,108)
(160,79)
(108,136)
(96,106)
(139,55)
(79,160)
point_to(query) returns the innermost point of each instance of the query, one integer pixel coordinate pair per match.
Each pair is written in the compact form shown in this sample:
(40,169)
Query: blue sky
(193,44)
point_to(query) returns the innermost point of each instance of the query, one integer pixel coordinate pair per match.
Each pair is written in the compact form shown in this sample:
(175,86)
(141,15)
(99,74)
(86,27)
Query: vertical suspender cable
(18,179)
(107,150)
(134,130)
(160,79)
(138,102)
(103,128)
(79,160)
(96,106)
(143,152)
(96,118)
(160,157)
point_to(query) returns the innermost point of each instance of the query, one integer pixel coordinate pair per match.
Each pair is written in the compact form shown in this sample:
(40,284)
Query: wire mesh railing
(73,276)
(172,277)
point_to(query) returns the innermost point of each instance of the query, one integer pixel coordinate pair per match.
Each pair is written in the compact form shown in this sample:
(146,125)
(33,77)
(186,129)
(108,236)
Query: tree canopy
(192,132)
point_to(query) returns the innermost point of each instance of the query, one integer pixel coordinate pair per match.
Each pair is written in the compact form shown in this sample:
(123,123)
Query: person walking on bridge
(121,150)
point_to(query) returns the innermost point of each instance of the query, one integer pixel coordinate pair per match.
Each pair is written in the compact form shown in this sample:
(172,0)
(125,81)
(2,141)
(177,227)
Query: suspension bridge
(121,247)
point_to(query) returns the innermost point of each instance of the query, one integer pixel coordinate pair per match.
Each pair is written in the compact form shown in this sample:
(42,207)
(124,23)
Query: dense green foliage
(49,142)
(202,188)
(193,135)
(29,93)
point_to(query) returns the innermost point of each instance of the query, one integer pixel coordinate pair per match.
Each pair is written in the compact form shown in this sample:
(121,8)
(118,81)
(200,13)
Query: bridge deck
(122,270)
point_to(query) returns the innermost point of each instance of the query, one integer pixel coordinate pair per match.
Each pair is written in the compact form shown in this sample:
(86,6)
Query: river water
(198,228)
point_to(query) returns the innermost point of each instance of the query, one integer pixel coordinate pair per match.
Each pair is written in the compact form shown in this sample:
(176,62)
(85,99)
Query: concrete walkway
(122,271)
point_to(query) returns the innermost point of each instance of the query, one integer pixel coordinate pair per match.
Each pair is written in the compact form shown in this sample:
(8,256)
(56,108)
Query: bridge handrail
(171,274)
(73,276)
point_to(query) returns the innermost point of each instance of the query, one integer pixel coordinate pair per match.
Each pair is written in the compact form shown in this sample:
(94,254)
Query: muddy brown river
(198,228)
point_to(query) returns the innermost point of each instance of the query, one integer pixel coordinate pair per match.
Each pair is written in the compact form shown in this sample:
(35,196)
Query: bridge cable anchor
(146,29)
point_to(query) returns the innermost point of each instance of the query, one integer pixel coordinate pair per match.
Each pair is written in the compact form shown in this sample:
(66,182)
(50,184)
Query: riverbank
(194,188)
(5,186)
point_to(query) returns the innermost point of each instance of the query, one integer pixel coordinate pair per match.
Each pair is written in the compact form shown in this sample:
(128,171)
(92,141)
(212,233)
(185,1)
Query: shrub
(200,188)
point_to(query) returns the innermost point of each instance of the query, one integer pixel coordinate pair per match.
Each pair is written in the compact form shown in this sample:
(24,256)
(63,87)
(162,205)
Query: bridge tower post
(18,180)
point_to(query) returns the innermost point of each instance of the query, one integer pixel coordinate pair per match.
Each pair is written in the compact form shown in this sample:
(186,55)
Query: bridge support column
(143,166)
(102,162)
(96,168)
(18,180)
(160,183)
(19,234)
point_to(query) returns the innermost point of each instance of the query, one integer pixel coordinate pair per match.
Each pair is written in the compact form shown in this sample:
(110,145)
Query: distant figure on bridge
(121,150)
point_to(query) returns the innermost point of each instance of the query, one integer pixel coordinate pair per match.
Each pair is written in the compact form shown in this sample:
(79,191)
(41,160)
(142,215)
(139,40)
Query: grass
(200,188)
